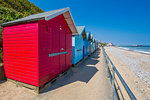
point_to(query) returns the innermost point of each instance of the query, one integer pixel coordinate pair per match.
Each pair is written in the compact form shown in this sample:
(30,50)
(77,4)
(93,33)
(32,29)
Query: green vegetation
(1,55)
(23,6)
(14,9)
(8,14)
(103,44)
(1,49)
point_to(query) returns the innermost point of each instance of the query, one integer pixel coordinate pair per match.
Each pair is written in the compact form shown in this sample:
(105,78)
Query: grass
(103,44)
(1,45)
(1,55)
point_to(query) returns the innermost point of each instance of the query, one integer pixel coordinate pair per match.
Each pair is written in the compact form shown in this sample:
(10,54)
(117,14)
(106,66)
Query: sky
(122,22)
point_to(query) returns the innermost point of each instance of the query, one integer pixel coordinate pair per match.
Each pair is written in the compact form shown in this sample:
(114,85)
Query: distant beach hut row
(39,47)
(83,44)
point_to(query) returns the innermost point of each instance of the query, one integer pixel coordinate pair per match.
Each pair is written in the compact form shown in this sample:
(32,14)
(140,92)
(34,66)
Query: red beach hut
(38,47)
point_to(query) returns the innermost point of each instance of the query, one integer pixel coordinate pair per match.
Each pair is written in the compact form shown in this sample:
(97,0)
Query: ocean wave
(136,50)
(146,52)
(124,48)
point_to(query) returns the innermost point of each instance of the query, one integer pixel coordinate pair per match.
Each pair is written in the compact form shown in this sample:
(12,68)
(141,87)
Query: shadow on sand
(83,72)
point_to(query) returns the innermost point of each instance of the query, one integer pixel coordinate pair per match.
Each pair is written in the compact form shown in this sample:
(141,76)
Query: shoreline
(134,67)
(123,48)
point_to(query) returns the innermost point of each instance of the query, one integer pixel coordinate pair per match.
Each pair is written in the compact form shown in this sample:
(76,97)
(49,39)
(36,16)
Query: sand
(134,68)
(86,81)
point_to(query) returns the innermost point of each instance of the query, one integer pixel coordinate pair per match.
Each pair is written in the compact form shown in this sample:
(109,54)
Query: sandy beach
(134,68)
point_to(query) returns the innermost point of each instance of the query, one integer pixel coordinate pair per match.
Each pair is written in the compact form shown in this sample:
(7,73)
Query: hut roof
(94,40)
(47,16)
(88,36)
(91,38)
(81,30)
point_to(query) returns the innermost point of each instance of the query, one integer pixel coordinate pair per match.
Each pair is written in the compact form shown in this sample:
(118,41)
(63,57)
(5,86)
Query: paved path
(86,81)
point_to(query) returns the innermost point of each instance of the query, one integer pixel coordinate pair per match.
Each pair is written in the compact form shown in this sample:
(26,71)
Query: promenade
(88,80)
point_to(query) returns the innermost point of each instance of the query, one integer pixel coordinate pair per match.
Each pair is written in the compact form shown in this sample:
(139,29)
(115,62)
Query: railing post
(113,83)
(112,78)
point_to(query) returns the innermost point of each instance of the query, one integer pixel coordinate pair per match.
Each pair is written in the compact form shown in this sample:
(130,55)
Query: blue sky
(122,22)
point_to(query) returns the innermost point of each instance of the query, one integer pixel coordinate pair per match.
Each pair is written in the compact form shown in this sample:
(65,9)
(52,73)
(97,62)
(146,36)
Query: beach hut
(77,45)
(85,51)
(38,47)
(97,44)
(91,43)
(94,44)
(88,43)
(84,36)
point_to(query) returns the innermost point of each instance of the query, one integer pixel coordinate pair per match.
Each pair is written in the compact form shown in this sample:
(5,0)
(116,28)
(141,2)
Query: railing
(112,71)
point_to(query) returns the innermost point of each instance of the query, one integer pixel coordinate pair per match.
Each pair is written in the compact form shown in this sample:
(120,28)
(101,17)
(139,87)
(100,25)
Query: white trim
(56,14)
(74,30)
(73,20)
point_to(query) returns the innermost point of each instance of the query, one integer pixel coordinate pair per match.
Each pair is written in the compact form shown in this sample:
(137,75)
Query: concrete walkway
(86,81)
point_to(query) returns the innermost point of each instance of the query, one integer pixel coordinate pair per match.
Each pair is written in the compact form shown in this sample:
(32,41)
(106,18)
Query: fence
(113,72)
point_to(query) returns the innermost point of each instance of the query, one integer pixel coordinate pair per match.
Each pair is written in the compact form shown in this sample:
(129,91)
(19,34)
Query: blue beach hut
(93,45)
(88,43)
(81,31)
(97,44)
(77,45)
(92,50)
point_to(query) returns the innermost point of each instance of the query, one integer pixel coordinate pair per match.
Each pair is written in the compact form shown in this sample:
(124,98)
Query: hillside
(15,9)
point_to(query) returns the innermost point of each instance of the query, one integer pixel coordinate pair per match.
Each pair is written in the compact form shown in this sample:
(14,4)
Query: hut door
(55,47)
(68,48)
(62,49)
(84,48)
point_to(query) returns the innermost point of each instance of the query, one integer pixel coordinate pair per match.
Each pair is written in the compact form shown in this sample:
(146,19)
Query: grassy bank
(1,55)
(14,9)
(1,45)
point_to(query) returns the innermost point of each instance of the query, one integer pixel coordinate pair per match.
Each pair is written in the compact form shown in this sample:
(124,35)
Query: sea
(141,49)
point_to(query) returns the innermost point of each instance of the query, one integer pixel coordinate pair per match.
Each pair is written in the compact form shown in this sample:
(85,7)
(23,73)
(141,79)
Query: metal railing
(112,71)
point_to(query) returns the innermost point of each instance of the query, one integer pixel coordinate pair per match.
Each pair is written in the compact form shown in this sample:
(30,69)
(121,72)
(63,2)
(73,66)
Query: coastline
(134,67)
(137,51)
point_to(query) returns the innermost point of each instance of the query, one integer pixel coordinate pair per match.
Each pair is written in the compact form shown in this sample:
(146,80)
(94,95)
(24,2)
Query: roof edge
(72,20)
(81,31)
(48,17)
(7,24)
(56,14)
